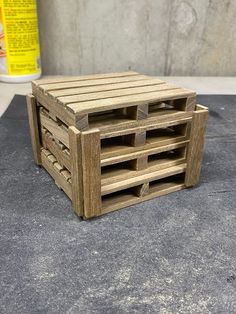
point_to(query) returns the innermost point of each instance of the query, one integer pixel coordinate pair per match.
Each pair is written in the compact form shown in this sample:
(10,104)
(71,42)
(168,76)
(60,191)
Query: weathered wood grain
(59,178)
(127,101)
(76,170)
(128,199)
(91,156)
(103,88)
(116,139)
(196,144)
(114,93)
(109,186)
(63,79)
(62,157)
(58,131)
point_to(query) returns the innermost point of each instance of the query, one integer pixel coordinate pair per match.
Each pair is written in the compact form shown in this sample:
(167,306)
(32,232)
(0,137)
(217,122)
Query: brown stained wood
(181,103)
(103,88)
(195,147)
(83,83)
(58,132)
(111,187)
(76,170)
(112,175)
(139,112)
(137,139)
(139,163)
(128,199)
(57,176)
(66,174)
(82,123)
(142,189)
(91,151)
(34,128)
(133,154)
(129,127)
(61,79)
(62,157)
(58,167)
(118,172)
(114,93)
(126,101)
(52,158)
(105,142)
(142,112)
(191,103)
(52,105)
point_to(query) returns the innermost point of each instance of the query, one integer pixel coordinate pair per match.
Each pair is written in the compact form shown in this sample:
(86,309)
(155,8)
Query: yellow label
(19,44)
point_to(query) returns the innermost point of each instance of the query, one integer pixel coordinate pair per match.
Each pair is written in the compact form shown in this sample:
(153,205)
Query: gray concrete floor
(173,254)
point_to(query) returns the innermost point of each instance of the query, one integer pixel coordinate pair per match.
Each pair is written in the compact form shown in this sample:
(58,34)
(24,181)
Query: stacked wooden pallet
(112,140)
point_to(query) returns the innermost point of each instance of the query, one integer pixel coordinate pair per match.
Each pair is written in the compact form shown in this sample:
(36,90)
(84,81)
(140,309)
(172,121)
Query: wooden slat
(57,176)
(111,175)
(129,127)
(61,156)
(52,105)
(128,199)
(135,153)
(62,79)
(135,180)
(109,154)
(91,151)
(76,170)
(196,144)
(83,83)
(114,93)
(34,128)
(103,88)
(127,101)
(58,131)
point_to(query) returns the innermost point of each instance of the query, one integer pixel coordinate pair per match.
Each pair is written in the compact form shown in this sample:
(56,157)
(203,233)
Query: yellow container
(19,41)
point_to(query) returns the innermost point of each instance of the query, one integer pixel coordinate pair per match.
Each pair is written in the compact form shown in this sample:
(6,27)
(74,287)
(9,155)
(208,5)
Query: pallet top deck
(101,92)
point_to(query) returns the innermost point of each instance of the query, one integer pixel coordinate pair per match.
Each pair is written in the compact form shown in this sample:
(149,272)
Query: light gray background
(157,37)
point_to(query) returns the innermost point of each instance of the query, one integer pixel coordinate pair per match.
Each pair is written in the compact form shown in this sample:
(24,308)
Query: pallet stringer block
(81,122)
(138,112)
(191,103)
(136,139)
(141,163)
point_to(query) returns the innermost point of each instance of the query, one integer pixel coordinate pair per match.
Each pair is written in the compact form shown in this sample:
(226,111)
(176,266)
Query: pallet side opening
(178,154)
(108,117)
(127,197)
(167,107)
(162,134)
(176,179)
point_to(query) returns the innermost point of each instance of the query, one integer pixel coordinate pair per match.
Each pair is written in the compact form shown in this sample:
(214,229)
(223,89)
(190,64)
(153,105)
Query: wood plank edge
(135,199)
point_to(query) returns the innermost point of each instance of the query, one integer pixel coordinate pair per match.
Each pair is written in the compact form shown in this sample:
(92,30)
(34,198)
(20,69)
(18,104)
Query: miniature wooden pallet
(113,140)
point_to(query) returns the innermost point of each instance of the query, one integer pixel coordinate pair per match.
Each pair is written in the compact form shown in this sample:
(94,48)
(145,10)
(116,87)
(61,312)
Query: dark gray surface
(173,254)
